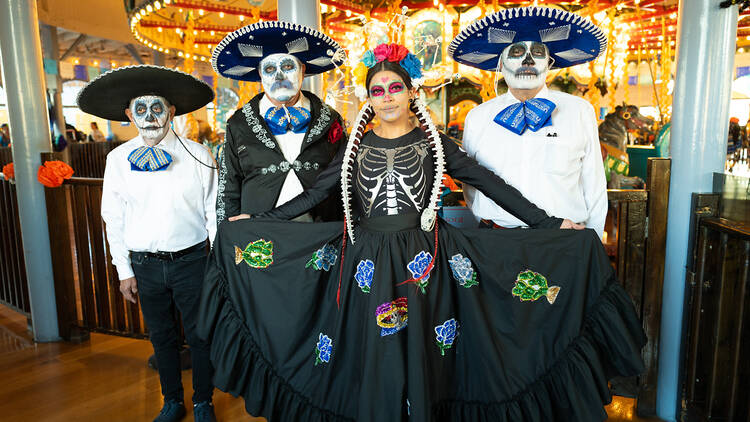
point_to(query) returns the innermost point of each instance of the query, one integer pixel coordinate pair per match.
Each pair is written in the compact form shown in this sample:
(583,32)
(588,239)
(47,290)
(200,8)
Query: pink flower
(382,52)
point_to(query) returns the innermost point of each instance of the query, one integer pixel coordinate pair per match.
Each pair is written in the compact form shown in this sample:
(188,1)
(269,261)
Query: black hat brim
(110,94)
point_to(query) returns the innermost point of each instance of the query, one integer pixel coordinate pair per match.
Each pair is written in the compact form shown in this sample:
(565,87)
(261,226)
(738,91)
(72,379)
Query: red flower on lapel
(335,132)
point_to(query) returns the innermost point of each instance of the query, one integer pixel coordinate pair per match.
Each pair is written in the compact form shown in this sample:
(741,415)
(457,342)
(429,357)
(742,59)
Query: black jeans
(163,284)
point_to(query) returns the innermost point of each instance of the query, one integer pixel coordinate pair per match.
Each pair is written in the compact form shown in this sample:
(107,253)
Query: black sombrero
(239,54)
(570,38)
(109,95)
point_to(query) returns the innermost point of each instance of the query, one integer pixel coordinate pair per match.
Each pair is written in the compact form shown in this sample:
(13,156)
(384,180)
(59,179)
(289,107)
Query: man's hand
(567,224)
(129,289)
(239,217)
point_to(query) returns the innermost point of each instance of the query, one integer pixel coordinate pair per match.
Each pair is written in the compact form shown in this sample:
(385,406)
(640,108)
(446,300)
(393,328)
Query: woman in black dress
(396,316)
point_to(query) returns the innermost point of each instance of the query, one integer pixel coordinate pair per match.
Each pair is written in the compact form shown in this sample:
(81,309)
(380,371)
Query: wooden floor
(106,379)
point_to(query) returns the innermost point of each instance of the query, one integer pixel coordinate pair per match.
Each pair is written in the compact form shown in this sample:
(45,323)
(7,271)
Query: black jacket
(253,168)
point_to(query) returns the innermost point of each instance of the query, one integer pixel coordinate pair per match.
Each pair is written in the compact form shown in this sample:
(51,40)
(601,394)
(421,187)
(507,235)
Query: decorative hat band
(395,53)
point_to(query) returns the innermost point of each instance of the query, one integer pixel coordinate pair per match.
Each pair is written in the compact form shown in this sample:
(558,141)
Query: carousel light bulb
(741,50)
(157,5)
(671,42)
(673,16)
(113,64)
(166,51)
(747,37)
(149,9)
(167,1)
(333,9)
(76,61)
(96,63)
(435,3)
(348,13)
(213,32)
(177,30)
(180,10)
(221,14)
(195,45)
(440,7)
(179,53)
(241,18)
(201,12)
(653,19)
(323,8)
(651,51)
(671,28)
(159,29)
(143,12)
(203,58)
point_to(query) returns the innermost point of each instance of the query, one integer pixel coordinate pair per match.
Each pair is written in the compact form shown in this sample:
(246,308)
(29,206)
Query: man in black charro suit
(277,143)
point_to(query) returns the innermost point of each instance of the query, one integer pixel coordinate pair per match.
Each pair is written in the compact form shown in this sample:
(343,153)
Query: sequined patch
(531,285)
(392,317)
(463,271)
(258,254)
(445,334)
(323,349)
(323,258)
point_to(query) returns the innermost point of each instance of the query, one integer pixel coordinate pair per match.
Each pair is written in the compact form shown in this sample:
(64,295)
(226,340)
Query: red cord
(341,266)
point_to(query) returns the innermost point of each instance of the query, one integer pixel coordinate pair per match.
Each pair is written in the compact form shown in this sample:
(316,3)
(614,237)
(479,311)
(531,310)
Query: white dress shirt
(166,210)
(291,145)
(561,174)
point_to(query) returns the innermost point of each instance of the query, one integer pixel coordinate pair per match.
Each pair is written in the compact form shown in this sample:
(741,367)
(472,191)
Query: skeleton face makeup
(281,76)
(389,96)
(525,64)
(151,116)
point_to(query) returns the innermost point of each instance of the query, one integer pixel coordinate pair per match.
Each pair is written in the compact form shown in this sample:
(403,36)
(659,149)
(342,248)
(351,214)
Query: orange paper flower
(53,173)
(9,171)
(60,168)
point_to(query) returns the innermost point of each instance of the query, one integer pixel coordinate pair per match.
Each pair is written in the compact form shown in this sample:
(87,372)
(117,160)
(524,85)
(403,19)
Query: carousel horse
(615,132)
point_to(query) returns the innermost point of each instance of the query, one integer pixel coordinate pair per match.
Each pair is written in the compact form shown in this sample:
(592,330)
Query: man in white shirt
(277,143)
(545,143)
(158,203)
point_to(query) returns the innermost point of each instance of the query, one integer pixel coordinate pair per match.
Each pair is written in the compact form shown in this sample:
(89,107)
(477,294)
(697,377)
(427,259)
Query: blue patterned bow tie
(149,159)
(279,122)
(534,114)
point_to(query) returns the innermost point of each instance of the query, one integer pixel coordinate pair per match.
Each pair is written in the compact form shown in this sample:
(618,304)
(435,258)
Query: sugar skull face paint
(525,64)
(281,76)
(151,115)
(389,96)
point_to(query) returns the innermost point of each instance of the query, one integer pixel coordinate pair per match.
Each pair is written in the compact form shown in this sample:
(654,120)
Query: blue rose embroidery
(323,349)
(463,271)
(445,334)
(323,258)
(418,266)
(364,274)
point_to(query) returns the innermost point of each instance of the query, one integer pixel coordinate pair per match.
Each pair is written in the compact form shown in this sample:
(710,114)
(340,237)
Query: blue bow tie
(149,159)
(279,122)
(534,114)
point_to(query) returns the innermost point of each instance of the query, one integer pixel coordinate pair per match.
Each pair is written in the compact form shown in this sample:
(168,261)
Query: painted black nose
(528,60)
(150,117)
(279,76)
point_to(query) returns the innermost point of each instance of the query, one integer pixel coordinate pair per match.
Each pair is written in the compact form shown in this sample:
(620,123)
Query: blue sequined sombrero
(570,38)
(239,54)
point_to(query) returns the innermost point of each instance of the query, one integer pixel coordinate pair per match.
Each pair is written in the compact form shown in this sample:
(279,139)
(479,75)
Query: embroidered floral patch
(323,349)
(531,285)
(364,274)
(323,258)
(258,254)
(418,266)
(463,271)
(445,334)
(392,317)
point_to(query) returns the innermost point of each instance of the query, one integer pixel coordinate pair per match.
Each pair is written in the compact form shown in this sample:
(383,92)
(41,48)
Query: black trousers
(162,285)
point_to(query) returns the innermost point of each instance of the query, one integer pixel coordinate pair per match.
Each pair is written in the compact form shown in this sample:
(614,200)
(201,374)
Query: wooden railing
(14,290)
(6,156)
(88,159)
(86,282)
(640,218)
(718,310)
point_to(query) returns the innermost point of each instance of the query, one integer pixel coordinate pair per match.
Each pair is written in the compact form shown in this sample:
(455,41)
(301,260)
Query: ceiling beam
(73,46)
(133,52)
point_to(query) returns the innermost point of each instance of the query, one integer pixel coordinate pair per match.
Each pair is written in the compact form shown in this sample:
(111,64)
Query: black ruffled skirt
(508,325)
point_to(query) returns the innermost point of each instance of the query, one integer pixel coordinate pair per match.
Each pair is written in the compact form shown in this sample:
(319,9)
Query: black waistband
(171,256)
(390,223)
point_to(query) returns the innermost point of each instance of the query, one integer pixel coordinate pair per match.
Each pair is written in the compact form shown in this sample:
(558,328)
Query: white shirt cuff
(125,271)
